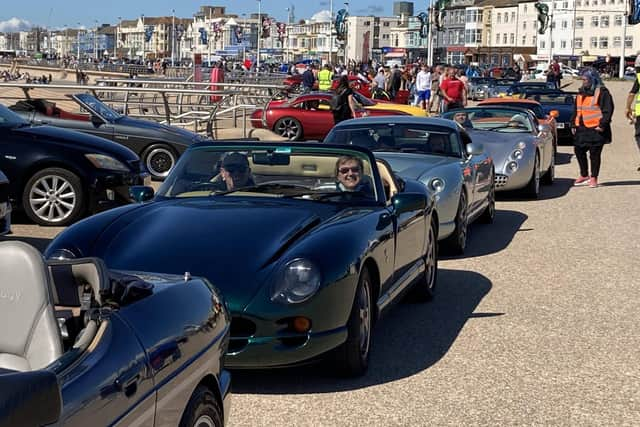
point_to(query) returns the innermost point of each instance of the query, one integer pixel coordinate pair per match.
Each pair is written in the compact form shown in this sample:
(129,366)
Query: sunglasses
(345,170)
(236,169)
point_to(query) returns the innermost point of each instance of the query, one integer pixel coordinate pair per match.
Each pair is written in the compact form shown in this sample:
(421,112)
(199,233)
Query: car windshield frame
(536,108)
(484,110)
(97,107)
(10,119)
(370,137)
(199,173)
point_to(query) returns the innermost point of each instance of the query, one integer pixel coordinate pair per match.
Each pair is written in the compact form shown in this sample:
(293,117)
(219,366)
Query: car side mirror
(474,149)
(96,121)
(408,202)
(554,113)
(29,398)
(141,193)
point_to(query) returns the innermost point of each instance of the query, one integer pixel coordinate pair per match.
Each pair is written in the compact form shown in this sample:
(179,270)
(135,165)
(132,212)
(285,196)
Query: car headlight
(62,254)
(102,161)
(436,184)
(512,166)
(517,154)
(298,281)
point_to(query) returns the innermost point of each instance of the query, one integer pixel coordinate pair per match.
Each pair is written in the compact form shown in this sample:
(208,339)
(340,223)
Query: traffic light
(441,5)
(634,12)
(424,24)
(543,17)
(341,24)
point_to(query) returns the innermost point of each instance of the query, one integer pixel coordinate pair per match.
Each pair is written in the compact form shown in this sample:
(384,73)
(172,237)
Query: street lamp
(330,30)
(95,40)
(118,35)
(173,36)
(259,29)
(346,27)
(78,42)
(144,36)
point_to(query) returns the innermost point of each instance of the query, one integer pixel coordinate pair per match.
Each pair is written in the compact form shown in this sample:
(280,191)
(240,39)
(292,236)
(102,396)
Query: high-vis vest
(638,97)
(587,108)
(324,79)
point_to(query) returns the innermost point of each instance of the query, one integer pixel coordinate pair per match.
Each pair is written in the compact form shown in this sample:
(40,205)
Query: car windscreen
(552,98)
(290,172)
(9,119)
(403,137)
(99,107)
(536,108)
(495,119)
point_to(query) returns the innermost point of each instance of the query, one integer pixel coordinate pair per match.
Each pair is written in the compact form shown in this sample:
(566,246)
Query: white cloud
(14,24)
(322,16)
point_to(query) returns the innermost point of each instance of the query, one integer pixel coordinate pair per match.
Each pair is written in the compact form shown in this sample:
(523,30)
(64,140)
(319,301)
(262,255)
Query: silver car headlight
(298,281)
(102,161)
(62,254)
(517,154)
(512,166)
(436,184)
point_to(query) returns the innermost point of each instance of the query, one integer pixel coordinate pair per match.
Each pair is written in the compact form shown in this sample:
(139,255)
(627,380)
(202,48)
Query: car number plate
(560,125)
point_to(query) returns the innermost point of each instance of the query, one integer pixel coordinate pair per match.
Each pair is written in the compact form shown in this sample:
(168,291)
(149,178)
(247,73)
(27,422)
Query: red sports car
(294,82)
(309,116)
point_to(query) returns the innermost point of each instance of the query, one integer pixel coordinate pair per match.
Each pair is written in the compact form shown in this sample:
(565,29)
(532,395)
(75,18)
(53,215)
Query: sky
(15,15)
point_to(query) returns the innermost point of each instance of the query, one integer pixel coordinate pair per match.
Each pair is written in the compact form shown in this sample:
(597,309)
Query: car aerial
(5,205)
(521,149)
(309,243)
(555,100)
(58,175)
(84,345)
(438,153)
(309,116)
(546,119)
(158,145)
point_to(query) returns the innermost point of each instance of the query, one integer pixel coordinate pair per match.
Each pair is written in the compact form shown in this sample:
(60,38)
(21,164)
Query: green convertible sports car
(308,243)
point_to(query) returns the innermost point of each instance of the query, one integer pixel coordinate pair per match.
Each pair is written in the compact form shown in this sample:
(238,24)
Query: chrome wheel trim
(288,128)
(159,161)
(430,260)
(52,198)
(204,421)
(364,314)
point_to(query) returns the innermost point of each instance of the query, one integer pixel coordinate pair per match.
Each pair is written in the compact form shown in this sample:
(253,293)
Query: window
(563,44)
(578,3)
(497,38)
(593,42)
(580,22)
(617,20)
(628,41)
(524,25)
(504,38)
(604,21)
(542,44)
(513,16)
(512,38)
(367,23)
(617,41)
(564,24)
(524,40)
(535,40)
(565,5)
(586,2)
(499,18)
(506,18)
(604,42)
(578,43)
(603,2)
(525,9)
(594,21)
(385,24)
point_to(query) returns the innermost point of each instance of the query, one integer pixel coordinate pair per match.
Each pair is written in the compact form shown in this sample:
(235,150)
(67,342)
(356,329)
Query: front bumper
(110,189)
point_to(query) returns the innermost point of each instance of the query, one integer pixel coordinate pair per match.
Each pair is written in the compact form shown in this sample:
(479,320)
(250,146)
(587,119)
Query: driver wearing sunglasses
(349,171)
(234,172)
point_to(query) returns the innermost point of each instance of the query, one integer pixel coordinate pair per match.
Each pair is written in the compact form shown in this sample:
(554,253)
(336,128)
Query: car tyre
(159,159)
(54,197)
(550,176)
(532,190)
(352,356)
(489,213)
(424,289)
(289,128)
(457,242)
(202,410)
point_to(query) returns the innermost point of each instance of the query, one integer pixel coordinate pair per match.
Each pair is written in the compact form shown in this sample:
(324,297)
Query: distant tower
(291,17)
(402,8)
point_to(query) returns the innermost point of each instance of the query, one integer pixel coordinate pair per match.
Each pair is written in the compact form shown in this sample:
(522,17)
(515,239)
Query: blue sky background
(55,14)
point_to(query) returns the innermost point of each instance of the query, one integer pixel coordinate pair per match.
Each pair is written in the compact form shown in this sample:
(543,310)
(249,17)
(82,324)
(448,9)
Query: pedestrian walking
(453,92)
(591,125)
(324,78)
(633,105)
(343,104)
(423,87)
(308,79)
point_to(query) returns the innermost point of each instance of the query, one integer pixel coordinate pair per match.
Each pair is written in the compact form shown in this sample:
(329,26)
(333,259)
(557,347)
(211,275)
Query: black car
(83,345)
(561,101)
(57,175)
(5,205)
(158,145)
(521,87)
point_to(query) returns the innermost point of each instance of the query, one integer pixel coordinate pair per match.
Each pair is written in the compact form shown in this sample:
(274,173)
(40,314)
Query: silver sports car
(440,154)
(521,147)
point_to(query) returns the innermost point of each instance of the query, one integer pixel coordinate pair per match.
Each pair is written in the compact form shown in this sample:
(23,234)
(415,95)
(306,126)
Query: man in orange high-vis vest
(591,125)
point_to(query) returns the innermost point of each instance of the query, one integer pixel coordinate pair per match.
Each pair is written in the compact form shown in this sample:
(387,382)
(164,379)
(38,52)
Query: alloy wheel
(430,267)
(204,421)
(52,198)
(159,162)
(364,311)
(288,128)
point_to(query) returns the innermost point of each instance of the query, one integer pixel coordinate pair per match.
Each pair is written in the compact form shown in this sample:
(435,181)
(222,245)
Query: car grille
(501,180)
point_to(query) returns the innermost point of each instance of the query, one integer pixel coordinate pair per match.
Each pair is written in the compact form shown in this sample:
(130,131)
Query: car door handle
(128,385)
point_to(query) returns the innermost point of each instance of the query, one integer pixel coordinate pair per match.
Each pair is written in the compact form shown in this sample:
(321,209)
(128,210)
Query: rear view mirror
(271,158)
(141,193)
(29,398)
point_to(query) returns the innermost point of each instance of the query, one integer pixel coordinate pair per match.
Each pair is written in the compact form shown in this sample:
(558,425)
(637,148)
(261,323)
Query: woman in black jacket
(591,125)
(343,104)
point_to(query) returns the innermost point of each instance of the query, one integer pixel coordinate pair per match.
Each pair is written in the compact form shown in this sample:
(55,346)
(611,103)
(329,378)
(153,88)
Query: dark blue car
(83,345)
(563,102)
